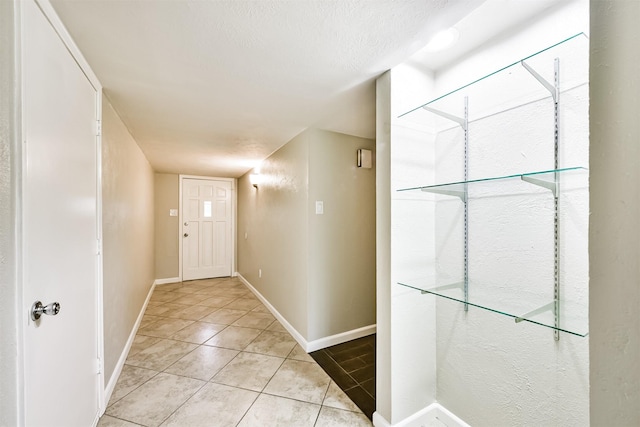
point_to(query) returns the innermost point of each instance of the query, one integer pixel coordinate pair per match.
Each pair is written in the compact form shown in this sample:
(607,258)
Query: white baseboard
(123,356)
(449,418)
(433,415)
(314,345)
(167,280)
(340,338)
(294,333)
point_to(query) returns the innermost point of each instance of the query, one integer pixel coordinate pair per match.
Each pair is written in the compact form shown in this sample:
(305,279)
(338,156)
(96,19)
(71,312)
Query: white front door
(206,229)
(60,257)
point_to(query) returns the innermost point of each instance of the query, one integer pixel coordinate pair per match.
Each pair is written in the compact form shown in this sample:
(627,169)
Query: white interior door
(60,258)
(206,229)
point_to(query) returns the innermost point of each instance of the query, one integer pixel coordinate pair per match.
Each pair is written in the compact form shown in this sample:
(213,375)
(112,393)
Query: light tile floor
(209,353)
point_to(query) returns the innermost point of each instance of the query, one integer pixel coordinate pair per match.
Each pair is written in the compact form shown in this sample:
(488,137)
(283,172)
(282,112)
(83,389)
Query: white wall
(492,371)
(413,323)
(615,209)
(9,107)
(128,233)
(383,247)
(486,369)
(405,372)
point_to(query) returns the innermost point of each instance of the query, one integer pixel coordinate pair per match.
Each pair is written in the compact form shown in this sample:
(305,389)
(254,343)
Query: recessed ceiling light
(443,40)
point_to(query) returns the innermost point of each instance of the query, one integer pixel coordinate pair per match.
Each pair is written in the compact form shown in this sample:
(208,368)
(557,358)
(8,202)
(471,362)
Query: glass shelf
(546,179)
(521,306)
(517,274)
(512,86)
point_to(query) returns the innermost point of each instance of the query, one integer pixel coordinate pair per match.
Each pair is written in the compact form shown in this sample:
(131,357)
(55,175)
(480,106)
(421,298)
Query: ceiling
(213,87)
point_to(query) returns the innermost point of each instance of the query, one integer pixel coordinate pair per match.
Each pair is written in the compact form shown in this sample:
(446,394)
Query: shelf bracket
(462,195)
(547,307)
(443,288)
(553,89)
(459,120)
(553,186)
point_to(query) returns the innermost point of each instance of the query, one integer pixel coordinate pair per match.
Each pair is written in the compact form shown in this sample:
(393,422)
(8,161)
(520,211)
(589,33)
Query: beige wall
(342,241)
(318,271)
(8,154)
(274,220)
(128,233)
(614,252)
(167,194)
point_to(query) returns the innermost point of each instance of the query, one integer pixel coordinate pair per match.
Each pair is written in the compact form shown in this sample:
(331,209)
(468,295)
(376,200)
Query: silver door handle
(37,309)
(185,234)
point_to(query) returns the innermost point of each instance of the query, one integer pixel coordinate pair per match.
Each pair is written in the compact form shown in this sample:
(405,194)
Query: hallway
(208,353)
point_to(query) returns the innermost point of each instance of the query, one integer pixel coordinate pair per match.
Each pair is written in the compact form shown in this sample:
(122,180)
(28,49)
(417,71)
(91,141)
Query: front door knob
(37,309)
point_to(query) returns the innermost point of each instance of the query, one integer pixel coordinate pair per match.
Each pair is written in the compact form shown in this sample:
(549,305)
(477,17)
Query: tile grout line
(180,314)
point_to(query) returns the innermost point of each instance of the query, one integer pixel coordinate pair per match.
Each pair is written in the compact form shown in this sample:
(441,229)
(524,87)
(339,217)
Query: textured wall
(487,369)
(8,290)
(615,208)
(273,231)
(128,233)
(318,271)
(167,195)
(492,371)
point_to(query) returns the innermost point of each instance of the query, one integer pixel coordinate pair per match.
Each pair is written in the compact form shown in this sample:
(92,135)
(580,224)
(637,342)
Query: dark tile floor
(352,365)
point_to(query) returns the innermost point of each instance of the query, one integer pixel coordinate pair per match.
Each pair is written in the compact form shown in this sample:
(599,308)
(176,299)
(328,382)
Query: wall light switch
(319,207)
(173,212)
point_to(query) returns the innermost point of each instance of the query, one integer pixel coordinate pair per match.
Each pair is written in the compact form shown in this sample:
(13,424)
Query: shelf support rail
(465,126)
(554,89)
(556,217)
(547,307)
(464,123)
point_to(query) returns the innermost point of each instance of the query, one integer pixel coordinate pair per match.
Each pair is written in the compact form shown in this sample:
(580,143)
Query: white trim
(18,166)
(167,281)
(234,205)
(340,338)
(294,333)
(449,418)
(314,345)
(50,13)
(429,415)
(125,351)
(51,16)
(100,254)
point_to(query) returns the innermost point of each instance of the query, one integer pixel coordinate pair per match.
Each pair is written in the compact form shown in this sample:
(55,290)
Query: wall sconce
(364,159)
(254,178)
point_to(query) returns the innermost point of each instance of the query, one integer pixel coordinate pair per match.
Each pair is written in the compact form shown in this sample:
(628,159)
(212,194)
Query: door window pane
(207,209)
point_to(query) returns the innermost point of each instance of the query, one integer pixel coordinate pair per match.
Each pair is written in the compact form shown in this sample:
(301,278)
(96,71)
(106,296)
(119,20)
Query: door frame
(234,204)
(20,162)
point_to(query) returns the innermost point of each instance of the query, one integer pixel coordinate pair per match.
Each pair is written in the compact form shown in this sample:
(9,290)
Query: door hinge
(98,246)
(98,366)
(98,127)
